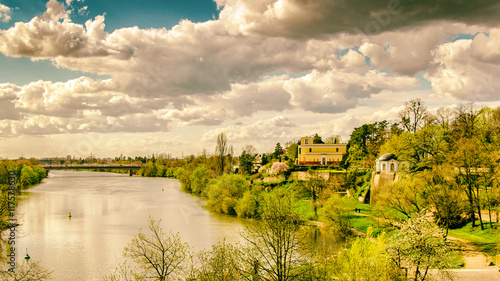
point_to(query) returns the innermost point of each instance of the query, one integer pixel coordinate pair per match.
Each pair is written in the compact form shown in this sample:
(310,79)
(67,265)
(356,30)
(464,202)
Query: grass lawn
(485,240)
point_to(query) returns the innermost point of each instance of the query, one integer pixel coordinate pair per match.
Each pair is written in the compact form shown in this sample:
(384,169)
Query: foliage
(199,180)
(221,263)
(365,259)
(317,139)
(335,215)
(275,240)
(184,176)
(246,162)
(278,151)
(247,205)
(224,192)
(365,143)
(418,247)
(149,170)
(278,167)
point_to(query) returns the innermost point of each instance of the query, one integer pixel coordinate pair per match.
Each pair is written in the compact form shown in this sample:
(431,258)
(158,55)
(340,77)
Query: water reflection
(106,212)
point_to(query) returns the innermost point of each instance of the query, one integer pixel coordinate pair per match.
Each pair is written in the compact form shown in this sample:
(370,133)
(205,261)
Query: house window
(306,141)
(383,167)
(300,150)
(337,149)
(392,166)
(310,150)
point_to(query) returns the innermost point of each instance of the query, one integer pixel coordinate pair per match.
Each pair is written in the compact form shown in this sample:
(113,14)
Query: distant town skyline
(146,77)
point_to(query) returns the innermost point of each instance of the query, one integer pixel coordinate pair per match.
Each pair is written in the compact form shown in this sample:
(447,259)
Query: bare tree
(275,241)
(414,115)
(26,271)
(221,151)
(161,255)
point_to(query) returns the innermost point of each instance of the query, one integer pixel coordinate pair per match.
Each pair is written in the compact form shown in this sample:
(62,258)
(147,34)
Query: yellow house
(320,154)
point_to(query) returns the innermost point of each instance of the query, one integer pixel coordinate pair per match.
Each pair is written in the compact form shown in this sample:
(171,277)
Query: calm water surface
(107,211)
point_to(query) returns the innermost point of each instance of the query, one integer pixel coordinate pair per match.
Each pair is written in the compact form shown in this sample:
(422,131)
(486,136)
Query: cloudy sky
(141,77)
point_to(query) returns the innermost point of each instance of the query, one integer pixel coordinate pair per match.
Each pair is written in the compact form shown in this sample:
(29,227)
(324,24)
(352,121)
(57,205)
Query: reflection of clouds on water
(107,212)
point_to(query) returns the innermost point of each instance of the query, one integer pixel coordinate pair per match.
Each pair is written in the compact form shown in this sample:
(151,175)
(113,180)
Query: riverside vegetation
(27,174)
(450,187)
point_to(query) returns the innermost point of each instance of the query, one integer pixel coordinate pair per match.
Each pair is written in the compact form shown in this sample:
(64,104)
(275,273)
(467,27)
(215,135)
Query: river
(107,211)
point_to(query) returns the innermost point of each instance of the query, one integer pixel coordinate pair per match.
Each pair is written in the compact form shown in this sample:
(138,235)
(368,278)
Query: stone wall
(378,182)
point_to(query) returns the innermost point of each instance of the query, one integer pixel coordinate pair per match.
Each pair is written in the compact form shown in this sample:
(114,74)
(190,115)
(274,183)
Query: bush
(335,214)
(278,167)
(224,192)
(199,180)
(247,206)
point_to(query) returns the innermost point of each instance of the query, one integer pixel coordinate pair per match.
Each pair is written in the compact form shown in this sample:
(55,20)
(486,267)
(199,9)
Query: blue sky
(141,77)
(143,14)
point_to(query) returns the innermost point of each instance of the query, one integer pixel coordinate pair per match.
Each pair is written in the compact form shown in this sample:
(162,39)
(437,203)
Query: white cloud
(53,35)
(337,91)
(260,61)
(276,128)
(408,51)
(5,13)
(465,69)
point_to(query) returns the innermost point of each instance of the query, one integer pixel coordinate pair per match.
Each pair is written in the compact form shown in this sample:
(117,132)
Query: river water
(107,211)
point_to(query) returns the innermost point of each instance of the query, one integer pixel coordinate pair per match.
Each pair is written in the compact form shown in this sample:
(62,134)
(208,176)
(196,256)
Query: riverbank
(16,176)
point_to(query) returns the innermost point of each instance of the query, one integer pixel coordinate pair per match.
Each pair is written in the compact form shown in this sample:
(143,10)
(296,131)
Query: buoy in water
(27,257)
(69,215)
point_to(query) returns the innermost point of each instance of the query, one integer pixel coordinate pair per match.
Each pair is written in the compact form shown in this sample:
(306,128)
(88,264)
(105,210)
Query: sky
(82,77)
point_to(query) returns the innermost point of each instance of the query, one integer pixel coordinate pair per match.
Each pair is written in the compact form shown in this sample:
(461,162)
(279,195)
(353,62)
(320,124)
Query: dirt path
(473,258)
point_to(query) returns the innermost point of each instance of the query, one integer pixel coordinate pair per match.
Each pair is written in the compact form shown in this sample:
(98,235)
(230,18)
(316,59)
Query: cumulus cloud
(7,102)
(274,128)
(306,19)
(5,13)
(337,91)
(79,105)
(54,35)
(269,56)
(465,69)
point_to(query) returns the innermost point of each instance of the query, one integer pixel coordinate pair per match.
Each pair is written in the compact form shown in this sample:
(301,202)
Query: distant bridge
(129,167)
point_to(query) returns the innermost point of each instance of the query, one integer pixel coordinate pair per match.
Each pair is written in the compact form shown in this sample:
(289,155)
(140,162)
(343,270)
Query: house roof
(387,157)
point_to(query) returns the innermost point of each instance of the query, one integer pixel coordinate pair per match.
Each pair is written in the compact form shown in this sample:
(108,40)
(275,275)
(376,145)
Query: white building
(387,163)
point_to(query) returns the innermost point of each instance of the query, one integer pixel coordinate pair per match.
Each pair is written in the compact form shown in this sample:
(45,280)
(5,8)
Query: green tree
(224,192)
(247,206)
(292,152)
(278,151)
(403,196)
(365,259)
(184,176)
(314,186)
(419,247)
(443,196)
(28,177)
(317,139)
(222,263)
(246,162)
(368,138)
(335,214)
(199,180)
